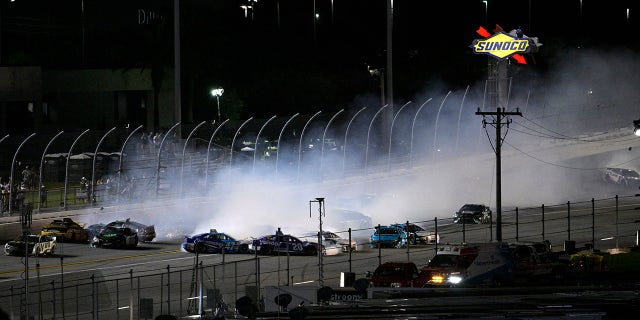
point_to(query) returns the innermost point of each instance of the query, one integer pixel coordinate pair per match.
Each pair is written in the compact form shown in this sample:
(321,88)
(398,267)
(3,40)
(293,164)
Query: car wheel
(311,251)
(243,248)
(199,247)
(266,250)
(412,239)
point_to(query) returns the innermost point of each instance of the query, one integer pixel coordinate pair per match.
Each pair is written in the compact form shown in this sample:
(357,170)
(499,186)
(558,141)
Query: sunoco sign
(501,45)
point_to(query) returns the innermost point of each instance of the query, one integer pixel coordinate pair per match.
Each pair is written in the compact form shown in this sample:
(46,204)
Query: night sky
(276,60)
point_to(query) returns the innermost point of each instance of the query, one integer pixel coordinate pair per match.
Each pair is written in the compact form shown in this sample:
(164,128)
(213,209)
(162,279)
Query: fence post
(117,300)
(130,294)
(543,222)
(235,280)
(201,287)
(168,290)
(93,298)
(379,246)
(568,220)
(617,234)
(180,286)
(408,240)
(349,250)
(435,222)
(161,291)
(53,290)
(517,226)
(593,223)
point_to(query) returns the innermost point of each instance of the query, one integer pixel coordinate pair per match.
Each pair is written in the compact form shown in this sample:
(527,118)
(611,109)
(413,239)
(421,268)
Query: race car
(387,236)
(472,213)
(145,233)
(36,244)
(116,237)
(66,230)
(331,239)
(416,234)
(282,244)
(213,242)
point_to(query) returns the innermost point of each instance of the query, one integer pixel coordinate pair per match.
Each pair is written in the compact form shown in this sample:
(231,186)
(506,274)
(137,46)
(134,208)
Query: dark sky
(276,60)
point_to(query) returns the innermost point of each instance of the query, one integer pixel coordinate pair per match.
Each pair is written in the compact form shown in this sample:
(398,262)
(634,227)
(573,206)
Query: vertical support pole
(407,239)
(53,289)
(517,226)
(379,247)
(168,289)
(435,222)
(542,217)
(117,300)
(350,249)
(200,289)
(93,298)
(161,291)
(500,115)
(130,294)
(617,233)
(593,223)
(568,220)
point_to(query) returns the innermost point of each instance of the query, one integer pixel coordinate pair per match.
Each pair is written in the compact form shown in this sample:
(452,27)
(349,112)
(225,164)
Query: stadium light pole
(184,150)
(324,133)
(300,144)
(366,148)
(344,145)
(391,133)
(255,145)
(66,174)
(159,155)
(206,171)
(44,152)
(93,167)
(234,140)
(124,144)
(218,93)
(413,124)
(280,137)
(435,131)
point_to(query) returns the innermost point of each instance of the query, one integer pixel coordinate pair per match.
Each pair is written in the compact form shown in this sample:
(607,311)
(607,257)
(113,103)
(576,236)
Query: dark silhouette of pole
(500,115)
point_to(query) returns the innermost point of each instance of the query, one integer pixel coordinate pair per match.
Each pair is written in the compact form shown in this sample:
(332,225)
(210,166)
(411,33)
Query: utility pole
(500,115)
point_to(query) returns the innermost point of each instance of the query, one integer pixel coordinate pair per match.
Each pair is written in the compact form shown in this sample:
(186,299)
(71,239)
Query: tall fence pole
(593,223)
(517,226)
(617,233)
(542,217)
(66,174)
(568,220)
(130,293)
(168,289)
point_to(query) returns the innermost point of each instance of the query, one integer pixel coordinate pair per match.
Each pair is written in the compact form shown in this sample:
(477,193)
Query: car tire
(243,248)
(266,250)
(311,251)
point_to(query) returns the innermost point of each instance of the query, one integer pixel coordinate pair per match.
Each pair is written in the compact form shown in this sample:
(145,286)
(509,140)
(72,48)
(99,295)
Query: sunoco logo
(500,45)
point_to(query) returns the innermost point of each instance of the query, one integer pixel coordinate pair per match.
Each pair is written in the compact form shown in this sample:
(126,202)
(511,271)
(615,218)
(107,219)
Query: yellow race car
(66,230)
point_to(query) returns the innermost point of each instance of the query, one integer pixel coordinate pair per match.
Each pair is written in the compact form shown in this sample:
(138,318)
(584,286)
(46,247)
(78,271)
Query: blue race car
(388,236)
(213,242)
(280,243)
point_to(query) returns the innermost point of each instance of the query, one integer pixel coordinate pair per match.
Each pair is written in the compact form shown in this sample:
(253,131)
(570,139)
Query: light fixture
(636,127)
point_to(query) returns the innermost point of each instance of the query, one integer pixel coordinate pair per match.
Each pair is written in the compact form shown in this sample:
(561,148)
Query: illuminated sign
(501,45)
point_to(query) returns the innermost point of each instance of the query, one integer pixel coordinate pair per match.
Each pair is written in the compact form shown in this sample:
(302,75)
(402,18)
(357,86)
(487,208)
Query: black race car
(280,243)
(145,233)
(473,213)
(115,237)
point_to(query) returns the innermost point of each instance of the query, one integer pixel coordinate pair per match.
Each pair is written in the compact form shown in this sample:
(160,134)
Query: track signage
(501,45)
